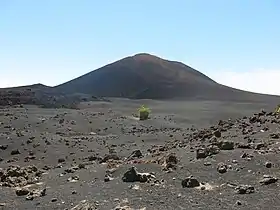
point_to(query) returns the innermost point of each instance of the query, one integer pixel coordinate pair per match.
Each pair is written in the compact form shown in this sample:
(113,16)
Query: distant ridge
(37,86)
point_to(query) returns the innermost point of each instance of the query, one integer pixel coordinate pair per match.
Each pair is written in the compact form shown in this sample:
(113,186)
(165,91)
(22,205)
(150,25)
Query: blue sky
(235,42)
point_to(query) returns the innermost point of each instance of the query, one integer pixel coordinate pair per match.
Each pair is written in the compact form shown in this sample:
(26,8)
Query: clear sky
(236,42)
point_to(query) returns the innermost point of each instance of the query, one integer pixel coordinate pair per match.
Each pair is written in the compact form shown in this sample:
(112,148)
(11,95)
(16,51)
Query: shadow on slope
(43,96)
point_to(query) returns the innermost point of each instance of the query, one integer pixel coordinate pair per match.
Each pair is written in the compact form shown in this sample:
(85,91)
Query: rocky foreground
(92,159)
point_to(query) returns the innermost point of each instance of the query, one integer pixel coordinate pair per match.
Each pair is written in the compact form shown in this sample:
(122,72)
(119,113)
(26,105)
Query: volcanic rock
(222,168)
(22,192)
(226,145)
(245,189)
(132,175)
(208,151)
(190,182)
(268,179)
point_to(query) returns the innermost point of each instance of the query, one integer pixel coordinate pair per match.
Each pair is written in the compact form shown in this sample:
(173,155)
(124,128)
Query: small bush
(277,110)
(144,112)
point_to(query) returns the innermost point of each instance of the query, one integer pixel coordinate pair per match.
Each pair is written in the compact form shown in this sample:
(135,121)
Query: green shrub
(144,112)
(277,110)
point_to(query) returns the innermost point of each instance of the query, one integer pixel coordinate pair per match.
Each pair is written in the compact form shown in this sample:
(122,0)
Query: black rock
(132,175)
(22,192)
(110,157)
(217,133)
(274,135)
(226,145)
(53,199)
(208,151)
(244,189)
(190,182)
(61,160)
(3,147)
(108,178)
(267,179)
(222,168)
(15,152)
(241,145)
(268,164)
(136,154)
(238,203)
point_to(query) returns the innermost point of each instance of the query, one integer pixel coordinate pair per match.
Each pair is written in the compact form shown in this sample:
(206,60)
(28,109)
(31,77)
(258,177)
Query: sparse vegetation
(277,110)
(144,112)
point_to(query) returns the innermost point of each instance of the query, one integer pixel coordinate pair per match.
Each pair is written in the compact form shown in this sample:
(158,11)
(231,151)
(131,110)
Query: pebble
(53,199)
(238,203)
(222,168)
(234,161)
(268,164)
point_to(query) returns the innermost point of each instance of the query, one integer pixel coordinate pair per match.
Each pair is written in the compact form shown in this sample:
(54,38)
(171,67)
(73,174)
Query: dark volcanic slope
(42,95)
(147,76)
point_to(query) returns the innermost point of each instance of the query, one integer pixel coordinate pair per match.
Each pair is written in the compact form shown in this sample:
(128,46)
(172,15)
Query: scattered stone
(53,199)
(268,164)
(171,161)
(259,146)
(84,205)
(22,192)
(253,119)
(15,176)
(29,198)
(190,182)
(208,151)
(238,203)
(92,158)
(19,133)
(222,168)
(132,175)
(244,189)
(72,169)
(274,135)
(226,145)
(73,178)
(43,192)
(135,154)
(81,165)
(3,147)
(201,153)
(234,161)
(268,179)
(246,155)
(241,145)
(108,178)
(29,141)
(61,160)
(217,133)
(203,188)
(15,152)
(207,163)
(110,157)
